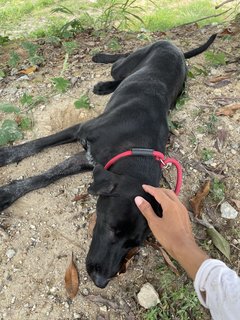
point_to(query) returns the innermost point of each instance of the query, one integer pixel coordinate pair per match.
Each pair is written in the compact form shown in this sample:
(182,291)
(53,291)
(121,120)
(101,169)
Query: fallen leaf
(220,139)
(218,78)
(79,197)
(219,241)
(130,255)
(29,70)
(228,110)
(72,279)
(218,84)
(237,203)
(169,261)
(197,201)
(91,224)
(166,257)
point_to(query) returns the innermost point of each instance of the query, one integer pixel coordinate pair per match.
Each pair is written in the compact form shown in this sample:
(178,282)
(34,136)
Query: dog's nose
(99,280)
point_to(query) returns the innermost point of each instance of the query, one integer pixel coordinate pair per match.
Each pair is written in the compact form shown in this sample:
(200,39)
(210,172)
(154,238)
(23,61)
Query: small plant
(14,59)
(196,71)
(152,314)
(4,40)
(83,102)
(61,84)
(9,132)
(114,44)
(211,124)
(207,154)
(215,59)
(181,100)
(33,56)
(69,48)
(218,190)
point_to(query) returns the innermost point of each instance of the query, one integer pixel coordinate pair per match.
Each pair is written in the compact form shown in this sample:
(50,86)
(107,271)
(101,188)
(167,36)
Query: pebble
(10,253)
(227,211)
(25,77)
(148,296)
(85,292)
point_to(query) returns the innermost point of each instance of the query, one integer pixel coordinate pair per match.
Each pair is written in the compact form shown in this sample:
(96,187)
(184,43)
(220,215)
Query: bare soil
(46,226)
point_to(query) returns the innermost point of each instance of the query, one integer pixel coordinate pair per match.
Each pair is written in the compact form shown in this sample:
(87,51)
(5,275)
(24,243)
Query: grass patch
(178,299)
(171,14)
(20,18)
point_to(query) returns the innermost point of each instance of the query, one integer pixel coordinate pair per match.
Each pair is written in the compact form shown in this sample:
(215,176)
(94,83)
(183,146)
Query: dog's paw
(6,198)
(100,58)
(102,88)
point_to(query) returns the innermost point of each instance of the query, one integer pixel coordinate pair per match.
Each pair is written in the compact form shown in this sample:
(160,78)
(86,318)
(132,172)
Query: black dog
(147,82)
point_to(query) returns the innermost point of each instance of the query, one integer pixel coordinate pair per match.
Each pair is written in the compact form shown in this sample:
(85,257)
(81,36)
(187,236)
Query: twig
(223,3)
(212,16)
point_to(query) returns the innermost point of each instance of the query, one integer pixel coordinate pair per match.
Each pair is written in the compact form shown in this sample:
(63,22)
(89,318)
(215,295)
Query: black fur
(146,85)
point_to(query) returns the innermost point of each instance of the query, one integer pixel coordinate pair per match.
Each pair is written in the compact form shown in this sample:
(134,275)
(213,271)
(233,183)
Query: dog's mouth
(101,280)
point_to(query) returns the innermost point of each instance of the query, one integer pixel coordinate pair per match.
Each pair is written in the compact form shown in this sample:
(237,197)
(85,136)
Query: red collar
(157,155)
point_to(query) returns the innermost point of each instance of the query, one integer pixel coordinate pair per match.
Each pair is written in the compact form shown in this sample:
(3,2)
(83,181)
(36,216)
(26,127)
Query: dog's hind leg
(106,87)
(19,152)
(17,188)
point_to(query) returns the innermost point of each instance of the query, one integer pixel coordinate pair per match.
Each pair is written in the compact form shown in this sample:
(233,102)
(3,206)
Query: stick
(223,3)
(213,16)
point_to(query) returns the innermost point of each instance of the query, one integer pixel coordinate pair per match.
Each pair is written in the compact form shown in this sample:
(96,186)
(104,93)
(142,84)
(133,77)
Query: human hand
(173,230)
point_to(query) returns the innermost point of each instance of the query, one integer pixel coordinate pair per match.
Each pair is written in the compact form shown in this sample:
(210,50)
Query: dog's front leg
(19,152)
(16,189)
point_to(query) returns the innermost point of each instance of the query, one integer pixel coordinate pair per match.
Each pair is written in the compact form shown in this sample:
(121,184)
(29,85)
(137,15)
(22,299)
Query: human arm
(173,230)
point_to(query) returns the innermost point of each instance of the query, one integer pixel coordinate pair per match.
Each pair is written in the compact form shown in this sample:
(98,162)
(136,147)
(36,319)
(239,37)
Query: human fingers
(161,197)
(145,208)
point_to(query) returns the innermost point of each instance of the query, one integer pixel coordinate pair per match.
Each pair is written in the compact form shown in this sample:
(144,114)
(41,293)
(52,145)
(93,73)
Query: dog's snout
(99,280)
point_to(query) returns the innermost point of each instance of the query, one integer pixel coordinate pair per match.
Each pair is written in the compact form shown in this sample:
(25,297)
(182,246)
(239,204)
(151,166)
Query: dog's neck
(145,169)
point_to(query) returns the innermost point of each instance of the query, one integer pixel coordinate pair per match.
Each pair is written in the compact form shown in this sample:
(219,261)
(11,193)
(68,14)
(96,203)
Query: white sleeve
(218,289)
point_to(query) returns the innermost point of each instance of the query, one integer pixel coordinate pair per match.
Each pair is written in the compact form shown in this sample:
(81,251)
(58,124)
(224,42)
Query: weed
(61,84)
(218,190)
(114,44)
(83,102)
(181,100)
(4,40)
(197,71)
(177,300)
(207,154)
(8,108)
(33,56)
(152,314)
(215,59)
(211,124)
(9,132)
(14,59)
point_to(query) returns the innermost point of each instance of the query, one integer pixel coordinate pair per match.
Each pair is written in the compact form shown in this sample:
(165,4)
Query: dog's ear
(103,182)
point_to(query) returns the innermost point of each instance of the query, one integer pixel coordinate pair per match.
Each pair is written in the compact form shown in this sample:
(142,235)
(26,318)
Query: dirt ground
(44,227)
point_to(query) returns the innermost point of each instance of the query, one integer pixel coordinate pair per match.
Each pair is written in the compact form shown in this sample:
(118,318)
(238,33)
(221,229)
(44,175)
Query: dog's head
(119,225)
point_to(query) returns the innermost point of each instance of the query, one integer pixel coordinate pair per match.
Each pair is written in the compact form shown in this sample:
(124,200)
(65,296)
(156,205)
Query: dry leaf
(79,197)
(197,201)
(220,139)
(219,241)
(169,261)
(72,279)
(218,78)
(91,224)
(29,70)
(228,110)
(218,84)
(237,203)
(166,257)
(128,259)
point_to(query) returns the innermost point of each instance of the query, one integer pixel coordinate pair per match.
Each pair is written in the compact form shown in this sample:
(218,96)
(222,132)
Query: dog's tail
(201,49)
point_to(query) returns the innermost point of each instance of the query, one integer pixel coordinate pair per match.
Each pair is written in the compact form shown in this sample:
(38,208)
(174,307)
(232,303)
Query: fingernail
(138,201)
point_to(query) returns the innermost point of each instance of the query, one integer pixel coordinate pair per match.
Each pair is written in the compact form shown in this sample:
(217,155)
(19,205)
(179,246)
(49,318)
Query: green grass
(19,18)
(173,13)
(178,299)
